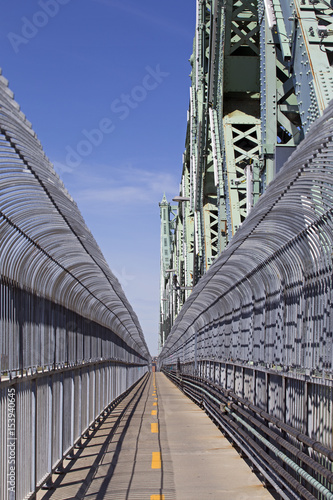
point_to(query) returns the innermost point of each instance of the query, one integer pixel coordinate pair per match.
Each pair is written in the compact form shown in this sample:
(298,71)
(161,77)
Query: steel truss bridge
(70,342)
(246,252)
(246,265)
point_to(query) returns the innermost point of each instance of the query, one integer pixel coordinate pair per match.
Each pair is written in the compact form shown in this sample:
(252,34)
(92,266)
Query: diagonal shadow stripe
(136,446)
(90,476)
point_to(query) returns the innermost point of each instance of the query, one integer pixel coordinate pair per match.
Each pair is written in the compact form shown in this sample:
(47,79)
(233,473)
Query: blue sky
(105,84)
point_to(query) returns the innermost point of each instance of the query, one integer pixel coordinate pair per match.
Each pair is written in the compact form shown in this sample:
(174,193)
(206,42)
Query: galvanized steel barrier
(284,458)
(70,342)
(260,323)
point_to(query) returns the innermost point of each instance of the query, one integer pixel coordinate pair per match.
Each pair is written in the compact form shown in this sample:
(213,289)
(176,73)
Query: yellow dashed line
(156,460)
(154,404)
(157,497)
(154,412)
(154,427)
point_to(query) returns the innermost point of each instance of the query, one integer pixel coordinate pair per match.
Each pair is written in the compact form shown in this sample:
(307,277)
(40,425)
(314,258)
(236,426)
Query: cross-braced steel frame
(258,82)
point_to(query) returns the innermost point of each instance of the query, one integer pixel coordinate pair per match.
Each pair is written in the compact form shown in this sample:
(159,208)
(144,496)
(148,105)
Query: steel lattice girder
(257,85)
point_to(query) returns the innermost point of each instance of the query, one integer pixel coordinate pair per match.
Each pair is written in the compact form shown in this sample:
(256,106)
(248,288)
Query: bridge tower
(167,215)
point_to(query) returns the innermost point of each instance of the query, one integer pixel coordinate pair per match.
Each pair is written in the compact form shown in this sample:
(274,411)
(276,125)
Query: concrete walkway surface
(156,445)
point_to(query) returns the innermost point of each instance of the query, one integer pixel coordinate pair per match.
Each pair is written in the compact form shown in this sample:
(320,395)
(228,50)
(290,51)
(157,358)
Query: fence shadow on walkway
(114,461)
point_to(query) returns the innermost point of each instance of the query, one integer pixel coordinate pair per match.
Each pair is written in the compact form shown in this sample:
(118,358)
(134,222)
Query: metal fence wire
(70,342)
(267,298)
(259,323)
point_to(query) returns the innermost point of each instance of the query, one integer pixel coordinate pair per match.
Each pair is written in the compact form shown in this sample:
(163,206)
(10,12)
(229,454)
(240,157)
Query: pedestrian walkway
(156,445)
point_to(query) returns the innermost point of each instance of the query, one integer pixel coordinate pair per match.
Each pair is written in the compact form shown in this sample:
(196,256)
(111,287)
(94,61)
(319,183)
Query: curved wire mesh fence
(48,252)
(267,298)
(70,342)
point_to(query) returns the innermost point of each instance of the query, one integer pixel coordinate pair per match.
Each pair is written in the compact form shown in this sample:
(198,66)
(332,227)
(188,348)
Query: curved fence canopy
(267,298)
(45,246)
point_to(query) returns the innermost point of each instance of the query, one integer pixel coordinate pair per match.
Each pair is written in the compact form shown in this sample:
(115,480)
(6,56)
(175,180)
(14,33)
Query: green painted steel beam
(256,87)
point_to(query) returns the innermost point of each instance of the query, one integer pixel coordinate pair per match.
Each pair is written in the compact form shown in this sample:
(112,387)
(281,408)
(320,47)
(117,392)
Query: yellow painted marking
(154,427)
(155,399)
(154,404)
(154,412)
(157,497)
(156,460)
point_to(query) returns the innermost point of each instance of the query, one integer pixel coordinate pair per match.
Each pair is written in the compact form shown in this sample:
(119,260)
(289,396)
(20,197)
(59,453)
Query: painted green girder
(261,75)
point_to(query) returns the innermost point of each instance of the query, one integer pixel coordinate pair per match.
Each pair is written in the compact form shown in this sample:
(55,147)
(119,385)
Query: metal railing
(70,342)
(293,464)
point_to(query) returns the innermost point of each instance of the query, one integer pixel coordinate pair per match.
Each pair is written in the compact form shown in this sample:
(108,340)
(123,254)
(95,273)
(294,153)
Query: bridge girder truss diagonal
(261,77)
